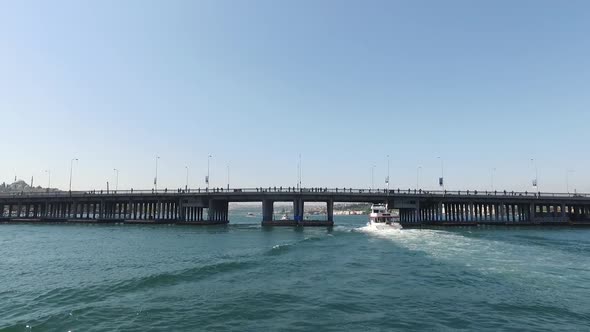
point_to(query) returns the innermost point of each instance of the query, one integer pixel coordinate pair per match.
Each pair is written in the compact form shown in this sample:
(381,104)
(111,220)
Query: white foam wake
(483,254)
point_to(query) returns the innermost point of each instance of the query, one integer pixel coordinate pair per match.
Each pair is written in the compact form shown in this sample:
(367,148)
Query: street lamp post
(441,182)
(536,182)
(372,177)
(71,166)
(116,179)
(387,178)
(418,177)
(208,169)
(186,182)
(156,178)
(299,188)
(567,179)
(48,171)
(492,171)
(228,177)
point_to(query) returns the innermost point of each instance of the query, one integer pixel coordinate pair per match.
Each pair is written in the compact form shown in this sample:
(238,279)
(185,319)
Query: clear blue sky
(483,84)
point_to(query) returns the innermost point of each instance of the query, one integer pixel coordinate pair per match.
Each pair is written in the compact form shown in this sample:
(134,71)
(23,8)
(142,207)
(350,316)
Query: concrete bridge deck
(205,207)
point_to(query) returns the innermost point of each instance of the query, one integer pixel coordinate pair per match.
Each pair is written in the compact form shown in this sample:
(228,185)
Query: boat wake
(488,256)
(380,231)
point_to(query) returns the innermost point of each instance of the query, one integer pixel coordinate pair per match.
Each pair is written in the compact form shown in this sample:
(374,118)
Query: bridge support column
(102,210)
(218,211)
(330,210)
(482,212)
(463,210)
(267,210)
(181,213)
(298,209)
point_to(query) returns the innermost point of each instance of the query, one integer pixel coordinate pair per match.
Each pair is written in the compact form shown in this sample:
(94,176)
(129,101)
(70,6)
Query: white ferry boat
(381,219)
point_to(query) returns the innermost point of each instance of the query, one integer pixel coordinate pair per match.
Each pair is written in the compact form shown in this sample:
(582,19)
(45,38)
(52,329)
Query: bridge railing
(291,190)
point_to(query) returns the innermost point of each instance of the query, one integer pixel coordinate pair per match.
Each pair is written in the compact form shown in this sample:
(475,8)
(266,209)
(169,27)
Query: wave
(486,255)
(64,296)
(279,249)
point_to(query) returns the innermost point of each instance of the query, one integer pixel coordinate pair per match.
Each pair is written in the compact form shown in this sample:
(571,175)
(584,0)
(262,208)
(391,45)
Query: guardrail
(291,190)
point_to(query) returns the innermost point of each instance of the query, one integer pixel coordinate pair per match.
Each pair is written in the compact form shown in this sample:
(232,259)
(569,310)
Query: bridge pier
(267,210)
(298,209)
(218,211)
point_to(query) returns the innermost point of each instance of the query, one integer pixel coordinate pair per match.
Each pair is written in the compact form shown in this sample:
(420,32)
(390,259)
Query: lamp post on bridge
(441,180)
(418,169)
(156,178)
(536,181)
(492,172)
(186,182)
(387,178)
(227,176)
(208,169)
(48,171)
(116,178)
(567,179)
(373,176)
(299,188)
(71,167)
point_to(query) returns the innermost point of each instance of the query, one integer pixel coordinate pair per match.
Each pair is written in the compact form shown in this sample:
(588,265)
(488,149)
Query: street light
(373,177)
(156,178)
(441,181)
(567,179)
(71,166)
(48,171)
(418,176)
(186,183)
(116,179)
(492,171)
(299,173)
(387,178)
(536,182)
(208,168)
(228,176)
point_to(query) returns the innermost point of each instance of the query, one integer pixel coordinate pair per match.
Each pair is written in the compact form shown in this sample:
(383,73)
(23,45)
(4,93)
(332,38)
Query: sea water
(249,278)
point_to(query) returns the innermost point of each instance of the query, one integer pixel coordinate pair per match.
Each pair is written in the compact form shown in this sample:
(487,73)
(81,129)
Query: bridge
(210,206)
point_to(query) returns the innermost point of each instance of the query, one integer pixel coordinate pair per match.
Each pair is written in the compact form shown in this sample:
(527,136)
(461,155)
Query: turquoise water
(243,277)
